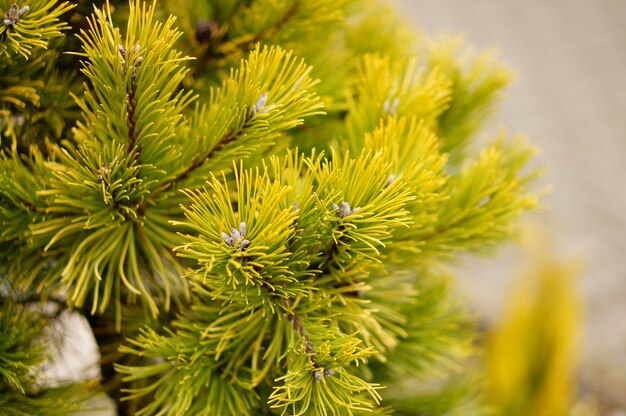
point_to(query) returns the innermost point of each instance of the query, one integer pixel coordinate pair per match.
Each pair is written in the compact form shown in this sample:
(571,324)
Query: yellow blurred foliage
(531,353)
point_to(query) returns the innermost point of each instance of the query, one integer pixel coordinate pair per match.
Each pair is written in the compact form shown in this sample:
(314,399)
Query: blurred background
(570,98)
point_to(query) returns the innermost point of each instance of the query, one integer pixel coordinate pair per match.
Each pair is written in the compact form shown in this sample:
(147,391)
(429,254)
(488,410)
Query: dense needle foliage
(251,201)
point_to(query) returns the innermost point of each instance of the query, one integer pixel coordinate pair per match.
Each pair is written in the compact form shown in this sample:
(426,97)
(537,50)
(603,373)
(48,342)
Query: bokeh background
(570,98)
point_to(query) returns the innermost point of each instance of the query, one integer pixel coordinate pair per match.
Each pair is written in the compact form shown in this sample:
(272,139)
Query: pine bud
(227,239)
(237,237)
(205,31)
(390,108)
(319,374)
(122,51)
(484,201)
(260,103)
(15,14)
(344,210)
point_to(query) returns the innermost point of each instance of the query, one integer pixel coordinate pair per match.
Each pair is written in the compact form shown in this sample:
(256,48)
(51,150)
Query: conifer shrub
(252,202)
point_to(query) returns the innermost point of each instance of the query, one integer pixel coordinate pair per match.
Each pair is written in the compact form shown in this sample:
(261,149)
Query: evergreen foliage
(251,201)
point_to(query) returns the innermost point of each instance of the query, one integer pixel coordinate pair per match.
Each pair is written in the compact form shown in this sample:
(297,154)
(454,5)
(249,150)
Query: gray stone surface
(570,97)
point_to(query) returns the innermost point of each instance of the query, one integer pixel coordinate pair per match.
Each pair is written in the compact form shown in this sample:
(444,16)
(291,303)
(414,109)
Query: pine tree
(252,202)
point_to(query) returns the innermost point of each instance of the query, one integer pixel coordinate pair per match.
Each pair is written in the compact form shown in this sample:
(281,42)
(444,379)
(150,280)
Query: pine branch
(294,280)
(277,26)
(477,80)
(299,328)
(197,162)
(131,92)
(217,35)
(267,95)
(32,26)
